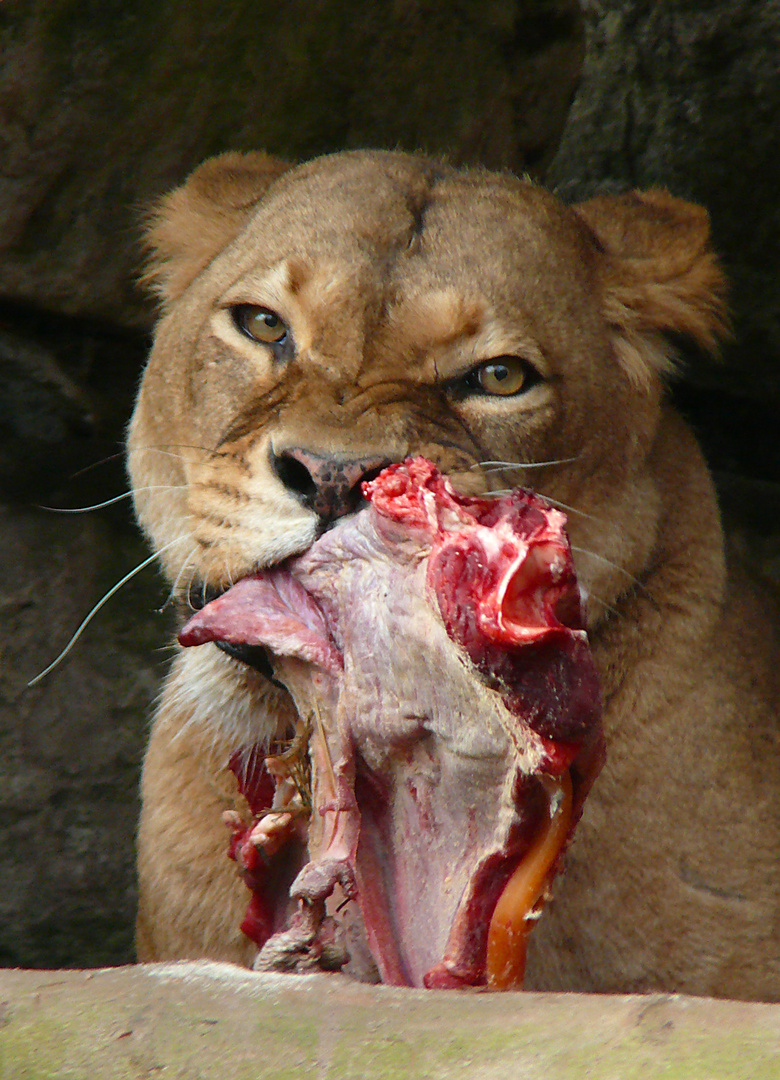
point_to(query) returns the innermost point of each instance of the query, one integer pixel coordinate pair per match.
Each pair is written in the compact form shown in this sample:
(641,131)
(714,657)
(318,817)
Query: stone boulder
(106,105)
(195,1020)
(686,96)
(70,747)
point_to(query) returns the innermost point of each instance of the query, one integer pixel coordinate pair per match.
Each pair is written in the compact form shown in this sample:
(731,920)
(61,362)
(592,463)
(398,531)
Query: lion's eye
(504,376)
(260,324)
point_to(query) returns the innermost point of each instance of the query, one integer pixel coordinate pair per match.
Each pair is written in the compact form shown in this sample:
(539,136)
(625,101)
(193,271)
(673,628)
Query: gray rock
(687,96)
(106,105)
(197,1020)
(70,747)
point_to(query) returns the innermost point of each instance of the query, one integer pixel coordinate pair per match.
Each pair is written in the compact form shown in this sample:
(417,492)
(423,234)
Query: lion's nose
(329,486)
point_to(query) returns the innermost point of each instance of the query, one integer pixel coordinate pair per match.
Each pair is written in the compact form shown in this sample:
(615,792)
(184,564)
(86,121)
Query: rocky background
(103,106)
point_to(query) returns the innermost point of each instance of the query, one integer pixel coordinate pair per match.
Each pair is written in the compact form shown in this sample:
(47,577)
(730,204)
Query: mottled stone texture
(105,104)
(192,1021)
(70,747)
(687,96)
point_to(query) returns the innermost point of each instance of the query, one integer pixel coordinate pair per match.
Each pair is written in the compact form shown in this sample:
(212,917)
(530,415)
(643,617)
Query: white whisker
(228,572)
(606,606)
(501,492)
(110,502)
(499,466)
(169,648)
(570,509)
(97,464)
(190,583)
(168,450)
(171,595)
(114,589)
(614,566)
(164,447)
(203,464)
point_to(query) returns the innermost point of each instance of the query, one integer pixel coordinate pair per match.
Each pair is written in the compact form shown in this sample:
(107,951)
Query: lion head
(319,322)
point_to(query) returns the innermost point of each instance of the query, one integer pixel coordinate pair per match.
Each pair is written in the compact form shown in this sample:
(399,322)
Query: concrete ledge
(203,1020)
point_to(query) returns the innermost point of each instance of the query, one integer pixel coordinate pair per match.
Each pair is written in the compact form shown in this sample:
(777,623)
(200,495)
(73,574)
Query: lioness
(321,321)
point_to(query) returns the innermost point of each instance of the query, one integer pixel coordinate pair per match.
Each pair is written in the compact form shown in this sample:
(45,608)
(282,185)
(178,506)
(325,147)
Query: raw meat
(449,732)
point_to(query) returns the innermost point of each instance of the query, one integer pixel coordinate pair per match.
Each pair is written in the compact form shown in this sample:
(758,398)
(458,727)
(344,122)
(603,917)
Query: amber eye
(260,324)
(503,376)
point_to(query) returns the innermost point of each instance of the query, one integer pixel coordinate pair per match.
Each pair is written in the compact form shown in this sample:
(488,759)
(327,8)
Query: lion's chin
(448,734)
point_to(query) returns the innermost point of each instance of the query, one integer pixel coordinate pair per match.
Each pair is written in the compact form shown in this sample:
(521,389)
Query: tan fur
(396,275)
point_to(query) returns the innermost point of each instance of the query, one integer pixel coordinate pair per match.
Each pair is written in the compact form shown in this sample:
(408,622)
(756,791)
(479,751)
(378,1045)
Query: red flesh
(503,581)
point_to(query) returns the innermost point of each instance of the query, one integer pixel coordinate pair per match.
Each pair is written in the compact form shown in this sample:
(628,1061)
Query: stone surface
(104,105)
(66,389)
(687,96)
(70,747)
(192,1021)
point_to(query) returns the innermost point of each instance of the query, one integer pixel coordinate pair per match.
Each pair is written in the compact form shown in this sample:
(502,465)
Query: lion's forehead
(390,236)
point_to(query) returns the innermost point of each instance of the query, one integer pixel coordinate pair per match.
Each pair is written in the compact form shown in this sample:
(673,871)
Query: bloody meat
(449,731)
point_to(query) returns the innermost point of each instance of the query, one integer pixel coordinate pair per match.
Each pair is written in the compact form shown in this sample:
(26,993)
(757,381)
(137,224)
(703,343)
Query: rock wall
(687,96)
(70,747)
(105,104)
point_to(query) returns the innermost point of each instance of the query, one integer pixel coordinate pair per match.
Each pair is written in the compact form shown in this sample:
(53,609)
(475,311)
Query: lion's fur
(395,274)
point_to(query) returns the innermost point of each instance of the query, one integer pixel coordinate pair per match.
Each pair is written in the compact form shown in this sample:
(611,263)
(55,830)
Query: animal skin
(449,725)
(321,321)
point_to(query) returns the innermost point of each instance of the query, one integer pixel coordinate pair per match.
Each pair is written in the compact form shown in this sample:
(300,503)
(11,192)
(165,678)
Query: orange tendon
(513,916)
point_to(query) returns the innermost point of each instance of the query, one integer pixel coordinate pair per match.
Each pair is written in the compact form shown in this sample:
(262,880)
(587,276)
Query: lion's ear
(660,276)
(192,224)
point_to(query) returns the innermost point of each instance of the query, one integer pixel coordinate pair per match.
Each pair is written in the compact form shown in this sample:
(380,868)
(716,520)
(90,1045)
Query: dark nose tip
(327,485)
